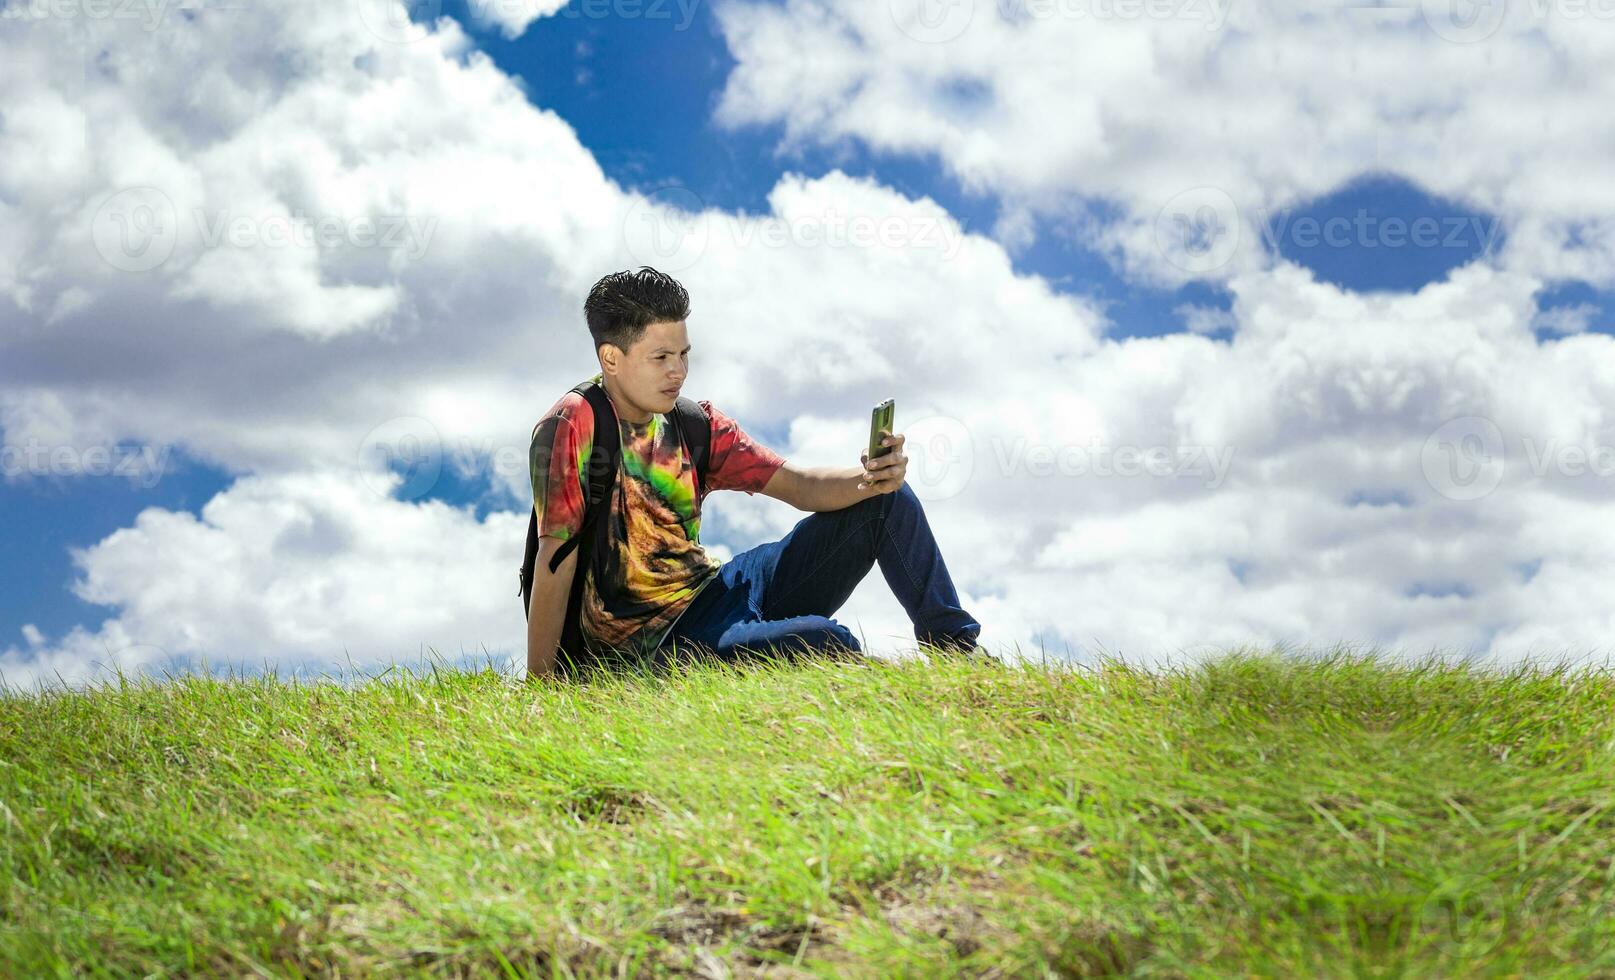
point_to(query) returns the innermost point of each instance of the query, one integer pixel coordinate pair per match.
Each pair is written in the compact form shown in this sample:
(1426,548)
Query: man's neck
(618,402)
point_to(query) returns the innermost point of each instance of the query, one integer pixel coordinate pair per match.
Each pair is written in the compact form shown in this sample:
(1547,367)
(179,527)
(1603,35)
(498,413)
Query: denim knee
(836,633)
(884,503)
(821,633)
(801,634)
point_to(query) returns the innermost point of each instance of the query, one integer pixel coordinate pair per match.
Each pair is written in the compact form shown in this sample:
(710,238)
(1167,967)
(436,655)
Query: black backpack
(695,430)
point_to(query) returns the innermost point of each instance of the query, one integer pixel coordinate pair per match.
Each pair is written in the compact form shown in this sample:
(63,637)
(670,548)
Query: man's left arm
(823,488)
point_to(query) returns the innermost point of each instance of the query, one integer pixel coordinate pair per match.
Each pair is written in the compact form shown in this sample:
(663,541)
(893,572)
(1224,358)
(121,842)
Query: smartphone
(880,421)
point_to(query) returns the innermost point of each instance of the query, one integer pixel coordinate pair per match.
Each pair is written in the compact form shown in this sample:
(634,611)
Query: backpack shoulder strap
(600,468)
(696,429)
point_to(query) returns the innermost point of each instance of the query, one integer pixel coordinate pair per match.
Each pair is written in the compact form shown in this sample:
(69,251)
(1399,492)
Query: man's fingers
(884,479)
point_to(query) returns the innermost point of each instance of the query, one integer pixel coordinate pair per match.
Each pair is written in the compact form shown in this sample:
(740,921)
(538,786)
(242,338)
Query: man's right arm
(546,612)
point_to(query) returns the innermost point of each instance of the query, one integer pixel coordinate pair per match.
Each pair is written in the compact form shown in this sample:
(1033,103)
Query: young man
(655,589)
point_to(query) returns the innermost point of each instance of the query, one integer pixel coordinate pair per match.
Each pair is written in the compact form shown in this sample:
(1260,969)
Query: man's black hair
(622,304)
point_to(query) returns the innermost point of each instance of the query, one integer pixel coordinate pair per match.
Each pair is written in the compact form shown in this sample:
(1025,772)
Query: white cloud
(1205,319)
(297,568)
(1205,115)
(1566,319)
(513,17)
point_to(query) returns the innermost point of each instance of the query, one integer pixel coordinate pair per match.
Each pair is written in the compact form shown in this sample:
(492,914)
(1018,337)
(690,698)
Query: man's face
(653,370)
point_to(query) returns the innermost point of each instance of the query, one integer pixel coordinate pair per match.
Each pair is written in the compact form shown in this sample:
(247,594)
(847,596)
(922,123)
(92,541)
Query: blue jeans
(779,596)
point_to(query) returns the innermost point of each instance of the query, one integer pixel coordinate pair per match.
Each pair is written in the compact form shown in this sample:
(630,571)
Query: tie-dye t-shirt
(655,564)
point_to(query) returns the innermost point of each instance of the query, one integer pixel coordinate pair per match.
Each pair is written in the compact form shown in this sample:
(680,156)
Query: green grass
(1261,813)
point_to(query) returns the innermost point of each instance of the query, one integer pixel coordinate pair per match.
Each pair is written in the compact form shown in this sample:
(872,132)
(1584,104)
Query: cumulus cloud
(1171,135)
(298,568)
(513,17)
(1566,319)
(1205,319)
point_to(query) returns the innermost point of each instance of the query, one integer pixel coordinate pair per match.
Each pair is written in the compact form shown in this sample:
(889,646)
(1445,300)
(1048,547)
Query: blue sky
(641,95)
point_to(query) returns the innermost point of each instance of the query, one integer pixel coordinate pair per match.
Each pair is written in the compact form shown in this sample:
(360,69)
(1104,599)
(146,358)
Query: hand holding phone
(883,478)
(880,425)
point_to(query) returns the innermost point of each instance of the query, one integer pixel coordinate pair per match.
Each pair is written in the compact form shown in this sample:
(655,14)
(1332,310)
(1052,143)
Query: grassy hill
(1263,813)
